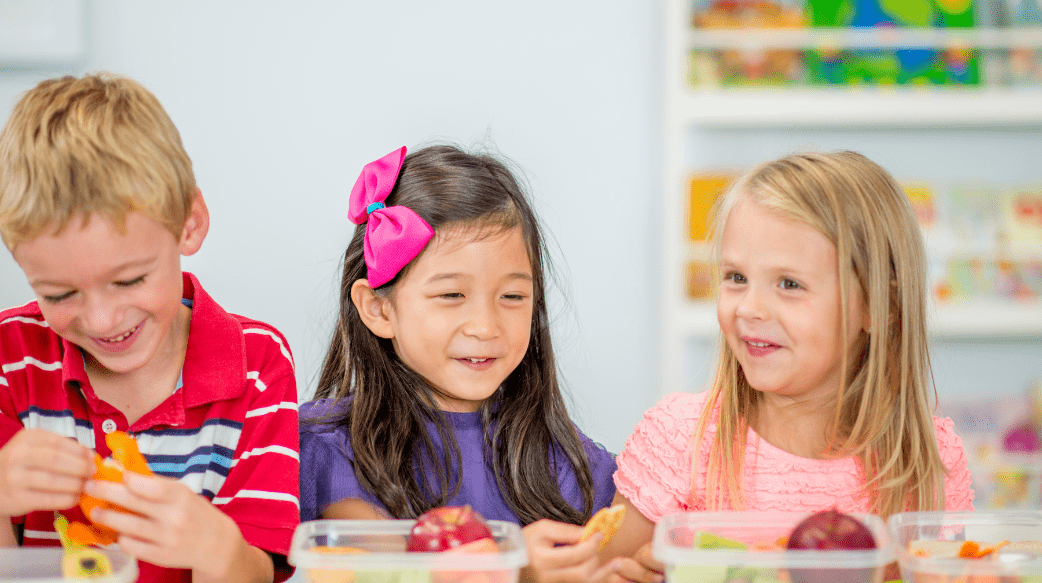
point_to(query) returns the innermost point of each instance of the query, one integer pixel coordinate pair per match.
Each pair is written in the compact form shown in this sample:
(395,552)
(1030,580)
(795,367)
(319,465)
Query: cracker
(606,521)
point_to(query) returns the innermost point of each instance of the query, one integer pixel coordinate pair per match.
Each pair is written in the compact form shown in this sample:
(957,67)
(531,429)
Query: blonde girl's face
(779,304)
(462,315)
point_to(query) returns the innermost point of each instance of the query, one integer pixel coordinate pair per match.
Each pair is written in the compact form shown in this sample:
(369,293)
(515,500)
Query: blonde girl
(821,392)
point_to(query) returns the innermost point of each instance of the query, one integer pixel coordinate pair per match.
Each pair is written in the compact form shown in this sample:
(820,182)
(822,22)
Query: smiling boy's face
(116,295)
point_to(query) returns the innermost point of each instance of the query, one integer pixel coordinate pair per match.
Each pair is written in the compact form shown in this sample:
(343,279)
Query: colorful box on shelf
(963,43)
(728,547)
(374,551)
(704,190)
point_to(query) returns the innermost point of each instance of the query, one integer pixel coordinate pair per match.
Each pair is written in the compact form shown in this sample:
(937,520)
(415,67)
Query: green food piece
(708,540)
(743,573)
(414,577)
(376,577)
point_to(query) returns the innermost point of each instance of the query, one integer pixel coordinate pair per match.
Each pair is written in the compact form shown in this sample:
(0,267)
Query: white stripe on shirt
(259,495)
(271,409)
(278,339)
(27,321)
(62,423)
(268,449)
(42,534)
(48,366)
(255,377)
(282,346)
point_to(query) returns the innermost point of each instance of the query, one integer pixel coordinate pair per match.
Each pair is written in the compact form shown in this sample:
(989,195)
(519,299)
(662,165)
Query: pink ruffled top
(654,470)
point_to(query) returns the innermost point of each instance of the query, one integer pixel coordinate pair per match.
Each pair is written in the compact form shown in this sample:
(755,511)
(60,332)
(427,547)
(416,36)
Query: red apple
(447,527)
(831,530)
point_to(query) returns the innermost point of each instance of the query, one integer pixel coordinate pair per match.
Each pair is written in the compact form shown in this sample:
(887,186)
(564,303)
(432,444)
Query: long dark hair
(528,431)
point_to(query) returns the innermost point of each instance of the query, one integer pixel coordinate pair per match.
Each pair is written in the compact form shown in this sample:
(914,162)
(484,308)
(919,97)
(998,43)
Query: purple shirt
(326,474)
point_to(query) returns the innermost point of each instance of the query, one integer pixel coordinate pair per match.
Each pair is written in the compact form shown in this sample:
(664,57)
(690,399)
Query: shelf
(985,319)
(854,107)
(857,106)
(978,320)
(864,38)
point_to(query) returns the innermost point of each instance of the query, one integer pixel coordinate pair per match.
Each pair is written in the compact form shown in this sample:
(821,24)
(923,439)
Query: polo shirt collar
(215,362)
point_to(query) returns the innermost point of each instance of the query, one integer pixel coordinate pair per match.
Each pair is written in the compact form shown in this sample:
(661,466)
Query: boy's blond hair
(883,416)
(100,143)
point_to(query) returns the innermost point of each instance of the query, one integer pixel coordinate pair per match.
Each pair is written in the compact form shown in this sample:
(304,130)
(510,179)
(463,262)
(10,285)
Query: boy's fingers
(47,482)
(125,523)
(148,487)
(61,463)
(53,501)
(115,493)
(57,454)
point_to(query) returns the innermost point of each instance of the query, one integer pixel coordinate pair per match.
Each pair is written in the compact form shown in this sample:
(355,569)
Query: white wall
(281,103)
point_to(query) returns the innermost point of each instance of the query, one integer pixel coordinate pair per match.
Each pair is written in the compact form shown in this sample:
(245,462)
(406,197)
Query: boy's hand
(40,470)
(175,527)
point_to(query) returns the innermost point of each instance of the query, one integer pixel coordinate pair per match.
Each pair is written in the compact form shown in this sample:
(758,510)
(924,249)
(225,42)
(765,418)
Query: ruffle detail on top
(957,492)
(654,468)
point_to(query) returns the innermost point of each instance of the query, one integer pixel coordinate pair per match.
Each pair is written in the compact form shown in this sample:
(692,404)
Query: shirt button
(108,426)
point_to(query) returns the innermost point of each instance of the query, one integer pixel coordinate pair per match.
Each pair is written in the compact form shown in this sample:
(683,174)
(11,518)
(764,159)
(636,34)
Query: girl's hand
(643,567)
(555,555)
(40,470)
(175,527)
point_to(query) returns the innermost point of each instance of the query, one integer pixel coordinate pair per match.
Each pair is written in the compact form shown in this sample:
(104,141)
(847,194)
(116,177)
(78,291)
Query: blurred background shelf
(858,106)
(862,105)
(864,38)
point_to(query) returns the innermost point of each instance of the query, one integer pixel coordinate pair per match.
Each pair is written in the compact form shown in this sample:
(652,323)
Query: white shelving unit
(853,108)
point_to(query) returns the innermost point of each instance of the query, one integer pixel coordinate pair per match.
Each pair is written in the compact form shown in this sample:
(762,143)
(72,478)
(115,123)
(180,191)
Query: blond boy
(98,203)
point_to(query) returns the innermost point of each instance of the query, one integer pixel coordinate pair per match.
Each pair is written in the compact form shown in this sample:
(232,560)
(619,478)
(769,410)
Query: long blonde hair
(883,416)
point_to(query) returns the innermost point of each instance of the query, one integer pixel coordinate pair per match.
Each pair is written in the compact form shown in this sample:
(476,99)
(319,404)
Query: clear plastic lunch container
(43,565)
(373,551)
(939,536)
(748,547)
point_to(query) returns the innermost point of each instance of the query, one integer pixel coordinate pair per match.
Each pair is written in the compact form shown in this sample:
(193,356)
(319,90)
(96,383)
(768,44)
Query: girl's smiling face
(779,304)
(461,316)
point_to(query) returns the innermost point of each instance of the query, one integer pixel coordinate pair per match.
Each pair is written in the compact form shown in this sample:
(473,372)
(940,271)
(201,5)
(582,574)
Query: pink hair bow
(394,235)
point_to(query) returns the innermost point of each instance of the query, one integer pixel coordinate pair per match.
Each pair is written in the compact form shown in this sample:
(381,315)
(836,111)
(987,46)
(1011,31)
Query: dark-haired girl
(440,386)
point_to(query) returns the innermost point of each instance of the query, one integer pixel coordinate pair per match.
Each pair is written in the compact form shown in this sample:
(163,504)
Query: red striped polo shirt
(229,432)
